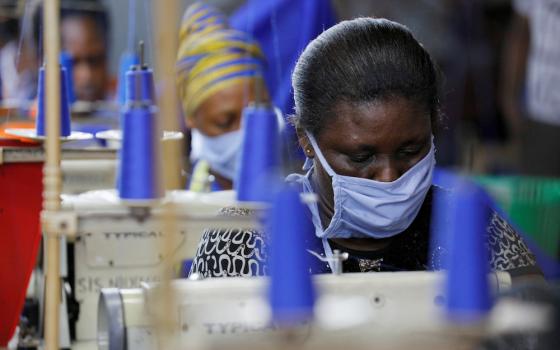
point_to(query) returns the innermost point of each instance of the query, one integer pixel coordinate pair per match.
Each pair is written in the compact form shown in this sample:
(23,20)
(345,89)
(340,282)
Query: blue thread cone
(291,291)
(126,62)
(66,62)
(138,177)
(468,294)
(260,155)
(64,106)
(441,225)
(140,85)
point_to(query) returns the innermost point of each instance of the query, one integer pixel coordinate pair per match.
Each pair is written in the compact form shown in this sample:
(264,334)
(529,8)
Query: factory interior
(279,174)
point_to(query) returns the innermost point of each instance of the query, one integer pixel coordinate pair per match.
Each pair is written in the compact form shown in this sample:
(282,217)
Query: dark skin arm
(223,182)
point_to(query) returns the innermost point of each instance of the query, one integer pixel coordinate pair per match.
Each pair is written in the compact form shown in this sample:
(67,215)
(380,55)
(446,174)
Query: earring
(308,151)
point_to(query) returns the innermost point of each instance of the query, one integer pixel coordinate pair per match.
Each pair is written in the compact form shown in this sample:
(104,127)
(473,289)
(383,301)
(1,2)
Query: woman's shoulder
(508,250)
(232,252)
(506,247)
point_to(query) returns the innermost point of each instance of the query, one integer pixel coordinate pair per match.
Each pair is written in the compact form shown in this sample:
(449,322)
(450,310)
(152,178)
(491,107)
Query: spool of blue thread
(260,155)
(291,290)
(140,85)
(66,62)
(441,226)
(468,295)
(138,175)
(65,129)
(127,61)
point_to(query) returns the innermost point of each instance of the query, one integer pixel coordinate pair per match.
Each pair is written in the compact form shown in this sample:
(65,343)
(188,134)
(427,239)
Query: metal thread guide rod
(52,175)
(141,55)
(141,66)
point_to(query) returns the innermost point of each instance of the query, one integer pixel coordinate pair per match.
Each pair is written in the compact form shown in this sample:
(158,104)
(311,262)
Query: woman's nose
(387,171)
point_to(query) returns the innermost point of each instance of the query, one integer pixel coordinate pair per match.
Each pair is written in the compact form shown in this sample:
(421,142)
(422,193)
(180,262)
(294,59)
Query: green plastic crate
(532,203)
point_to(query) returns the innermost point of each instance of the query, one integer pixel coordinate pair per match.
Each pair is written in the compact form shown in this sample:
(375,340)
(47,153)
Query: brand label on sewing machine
(93,284)
(128,247)
(234,316)
(137,234)
(214,328)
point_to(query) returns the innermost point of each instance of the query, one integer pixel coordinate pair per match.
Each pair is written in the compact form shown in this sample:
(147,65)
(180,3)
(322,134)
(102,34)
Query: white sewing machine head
(352,310)
(119,246)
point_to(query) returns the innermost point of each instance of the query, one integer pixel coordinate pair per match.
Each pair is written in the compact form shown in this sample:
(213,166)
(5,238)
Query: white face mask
(221,152)
(368,208)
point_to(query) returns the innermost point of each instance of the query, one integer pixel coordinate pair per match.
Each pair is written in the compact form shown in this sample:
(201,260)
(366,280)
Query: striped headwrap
(212,56)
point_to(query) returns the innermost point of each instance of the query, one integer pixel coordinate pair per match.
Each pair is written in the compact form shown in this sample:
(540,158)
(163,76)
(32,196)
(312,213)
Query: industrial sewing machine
(121,247)
(83,169)
(392,310)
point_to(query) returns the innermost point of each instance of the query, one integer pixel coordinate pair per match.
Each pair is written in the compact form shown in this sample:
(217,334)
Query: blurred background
(472,42)
(481,47)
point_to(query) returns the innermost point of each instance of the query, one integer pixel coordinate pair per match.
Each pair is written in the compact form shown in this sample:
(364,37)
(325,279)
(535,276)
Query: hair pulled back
(361,61)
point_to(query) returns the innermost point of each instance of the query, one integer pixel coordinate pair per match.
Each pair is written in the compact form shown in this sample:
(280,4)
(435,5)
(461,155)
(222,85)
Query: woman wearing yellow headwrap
(219,73)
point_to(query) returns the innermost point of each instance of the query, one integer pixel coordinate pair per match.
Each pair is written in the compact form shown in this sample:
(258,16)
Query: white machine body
(119,248)
(351,310)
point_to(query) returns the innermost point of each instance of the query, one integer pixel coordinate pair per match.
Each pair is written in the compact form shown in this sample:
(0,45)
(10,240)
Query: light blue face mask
(221,152)
(368,208)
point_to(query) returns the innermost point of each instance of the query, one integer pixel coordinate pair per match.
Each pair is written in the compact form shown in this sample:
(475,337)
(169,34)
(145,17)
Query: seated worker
(219,73)
(84,29)
(17,59)
(366,96)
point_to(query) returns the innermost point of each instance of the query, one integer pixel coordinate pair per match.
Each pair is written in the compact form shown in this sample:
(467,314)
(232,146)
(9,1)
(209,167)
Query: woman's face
(378,141)
(221,112)
(83,41)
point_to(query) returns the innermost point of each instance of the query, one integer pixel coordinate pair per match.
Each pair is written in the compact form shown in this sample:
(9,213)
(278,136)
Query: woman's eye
(409,152)
(226,122)
(361,158)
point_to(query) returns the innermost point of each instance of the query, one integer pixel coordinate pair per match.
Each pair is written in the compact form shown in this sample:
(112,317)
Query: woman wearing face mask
(219,73)
(366,95)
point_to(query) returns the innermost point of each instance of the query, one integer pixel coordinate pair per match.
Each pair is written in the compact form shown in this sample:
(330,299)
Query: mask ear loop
(308,164)
(319,154)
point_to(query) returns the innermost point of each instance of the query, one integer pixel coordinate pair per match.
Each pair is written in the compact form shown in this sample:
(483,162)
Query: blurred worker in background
(531,85)
(219,73)
(17,67)
(85,36)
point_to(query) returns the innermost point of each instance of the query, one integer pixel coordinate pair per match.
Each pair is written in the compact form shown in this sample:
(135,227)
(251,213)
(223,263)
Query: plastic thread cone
(127,61)
(138,177)
(66,62)
(291,293)
(260,155)
(467,288)
(64,105)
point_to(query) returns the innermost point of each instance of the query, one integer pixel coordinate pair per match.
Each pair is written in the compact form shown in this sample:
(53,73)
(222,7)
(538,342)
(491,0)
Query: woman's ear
(304,142)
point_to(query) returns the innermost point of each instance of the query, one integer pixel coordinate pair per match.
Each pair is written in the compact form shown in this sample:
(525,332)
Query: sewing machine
(392,310)
(82,169)
(121,247)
